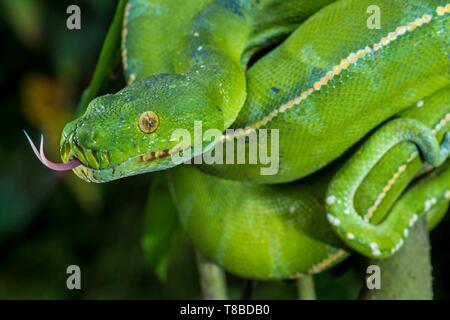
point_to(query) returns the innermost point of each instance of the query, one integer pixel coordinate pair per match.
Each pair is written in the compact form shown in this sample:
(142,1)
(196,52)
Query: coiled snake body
(359,111)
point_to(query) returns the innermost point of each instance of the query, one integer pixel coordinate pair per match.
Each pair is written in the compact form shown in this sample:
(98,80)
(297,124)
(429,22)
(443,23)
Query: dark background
(49,221)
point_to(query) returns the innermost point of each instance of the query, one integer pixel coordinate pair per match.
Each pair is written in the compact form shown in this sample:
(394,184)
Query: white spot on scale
(350,236)
(405,233)
(420,104)
(333,220)
(427,205)
(331,199)
(330,218)
(430,203)
(413,219)
(375,250)
(413,156)
(399,245)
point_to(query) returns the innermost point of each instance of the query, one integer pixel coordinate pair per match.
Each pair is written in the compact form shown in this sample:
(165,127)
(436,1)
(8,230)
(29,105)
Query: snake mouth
(98,166)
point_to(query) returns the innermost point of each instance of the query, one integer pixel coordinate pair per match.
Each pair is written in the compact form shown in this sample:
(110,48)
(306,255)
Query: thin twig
(306,289)
(212,279)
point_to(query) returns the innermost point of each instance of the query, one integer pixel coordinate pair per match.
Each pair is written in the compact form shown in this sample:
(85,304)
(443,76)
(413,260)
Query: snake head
(132,131)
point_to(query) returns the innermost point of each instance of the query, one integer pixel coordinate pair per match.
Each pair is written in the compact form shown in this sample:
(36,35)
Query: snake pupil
(148,122)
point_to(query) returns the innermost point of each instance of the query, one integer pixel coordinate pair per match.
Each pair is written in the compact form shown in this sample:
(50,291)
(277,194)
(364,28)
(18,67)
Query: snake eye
(148,122)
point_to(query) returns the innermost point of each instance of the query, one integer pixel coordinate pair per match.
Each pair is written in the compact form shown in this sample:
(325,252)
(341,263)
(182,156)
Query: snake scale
(362,114)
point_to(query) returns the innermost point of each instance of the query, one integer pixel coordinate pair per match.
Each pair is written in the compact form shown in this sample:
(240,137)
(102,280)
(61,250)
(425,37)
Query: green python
(363,117)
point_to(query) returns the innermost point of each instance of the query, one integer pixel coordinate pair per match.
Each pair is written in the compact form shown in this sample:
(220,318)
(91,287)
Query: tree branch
(212,279)
(408,273)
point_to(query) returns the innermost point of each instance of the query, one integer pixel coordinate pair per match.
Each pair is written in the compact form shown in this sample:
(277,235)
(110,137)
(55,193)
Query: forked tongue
(49,164)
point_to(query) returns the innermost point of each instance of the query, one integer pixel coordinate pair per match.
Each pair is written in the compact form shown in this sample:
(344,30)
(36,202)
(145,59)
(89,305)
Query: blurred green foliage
(124,235)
